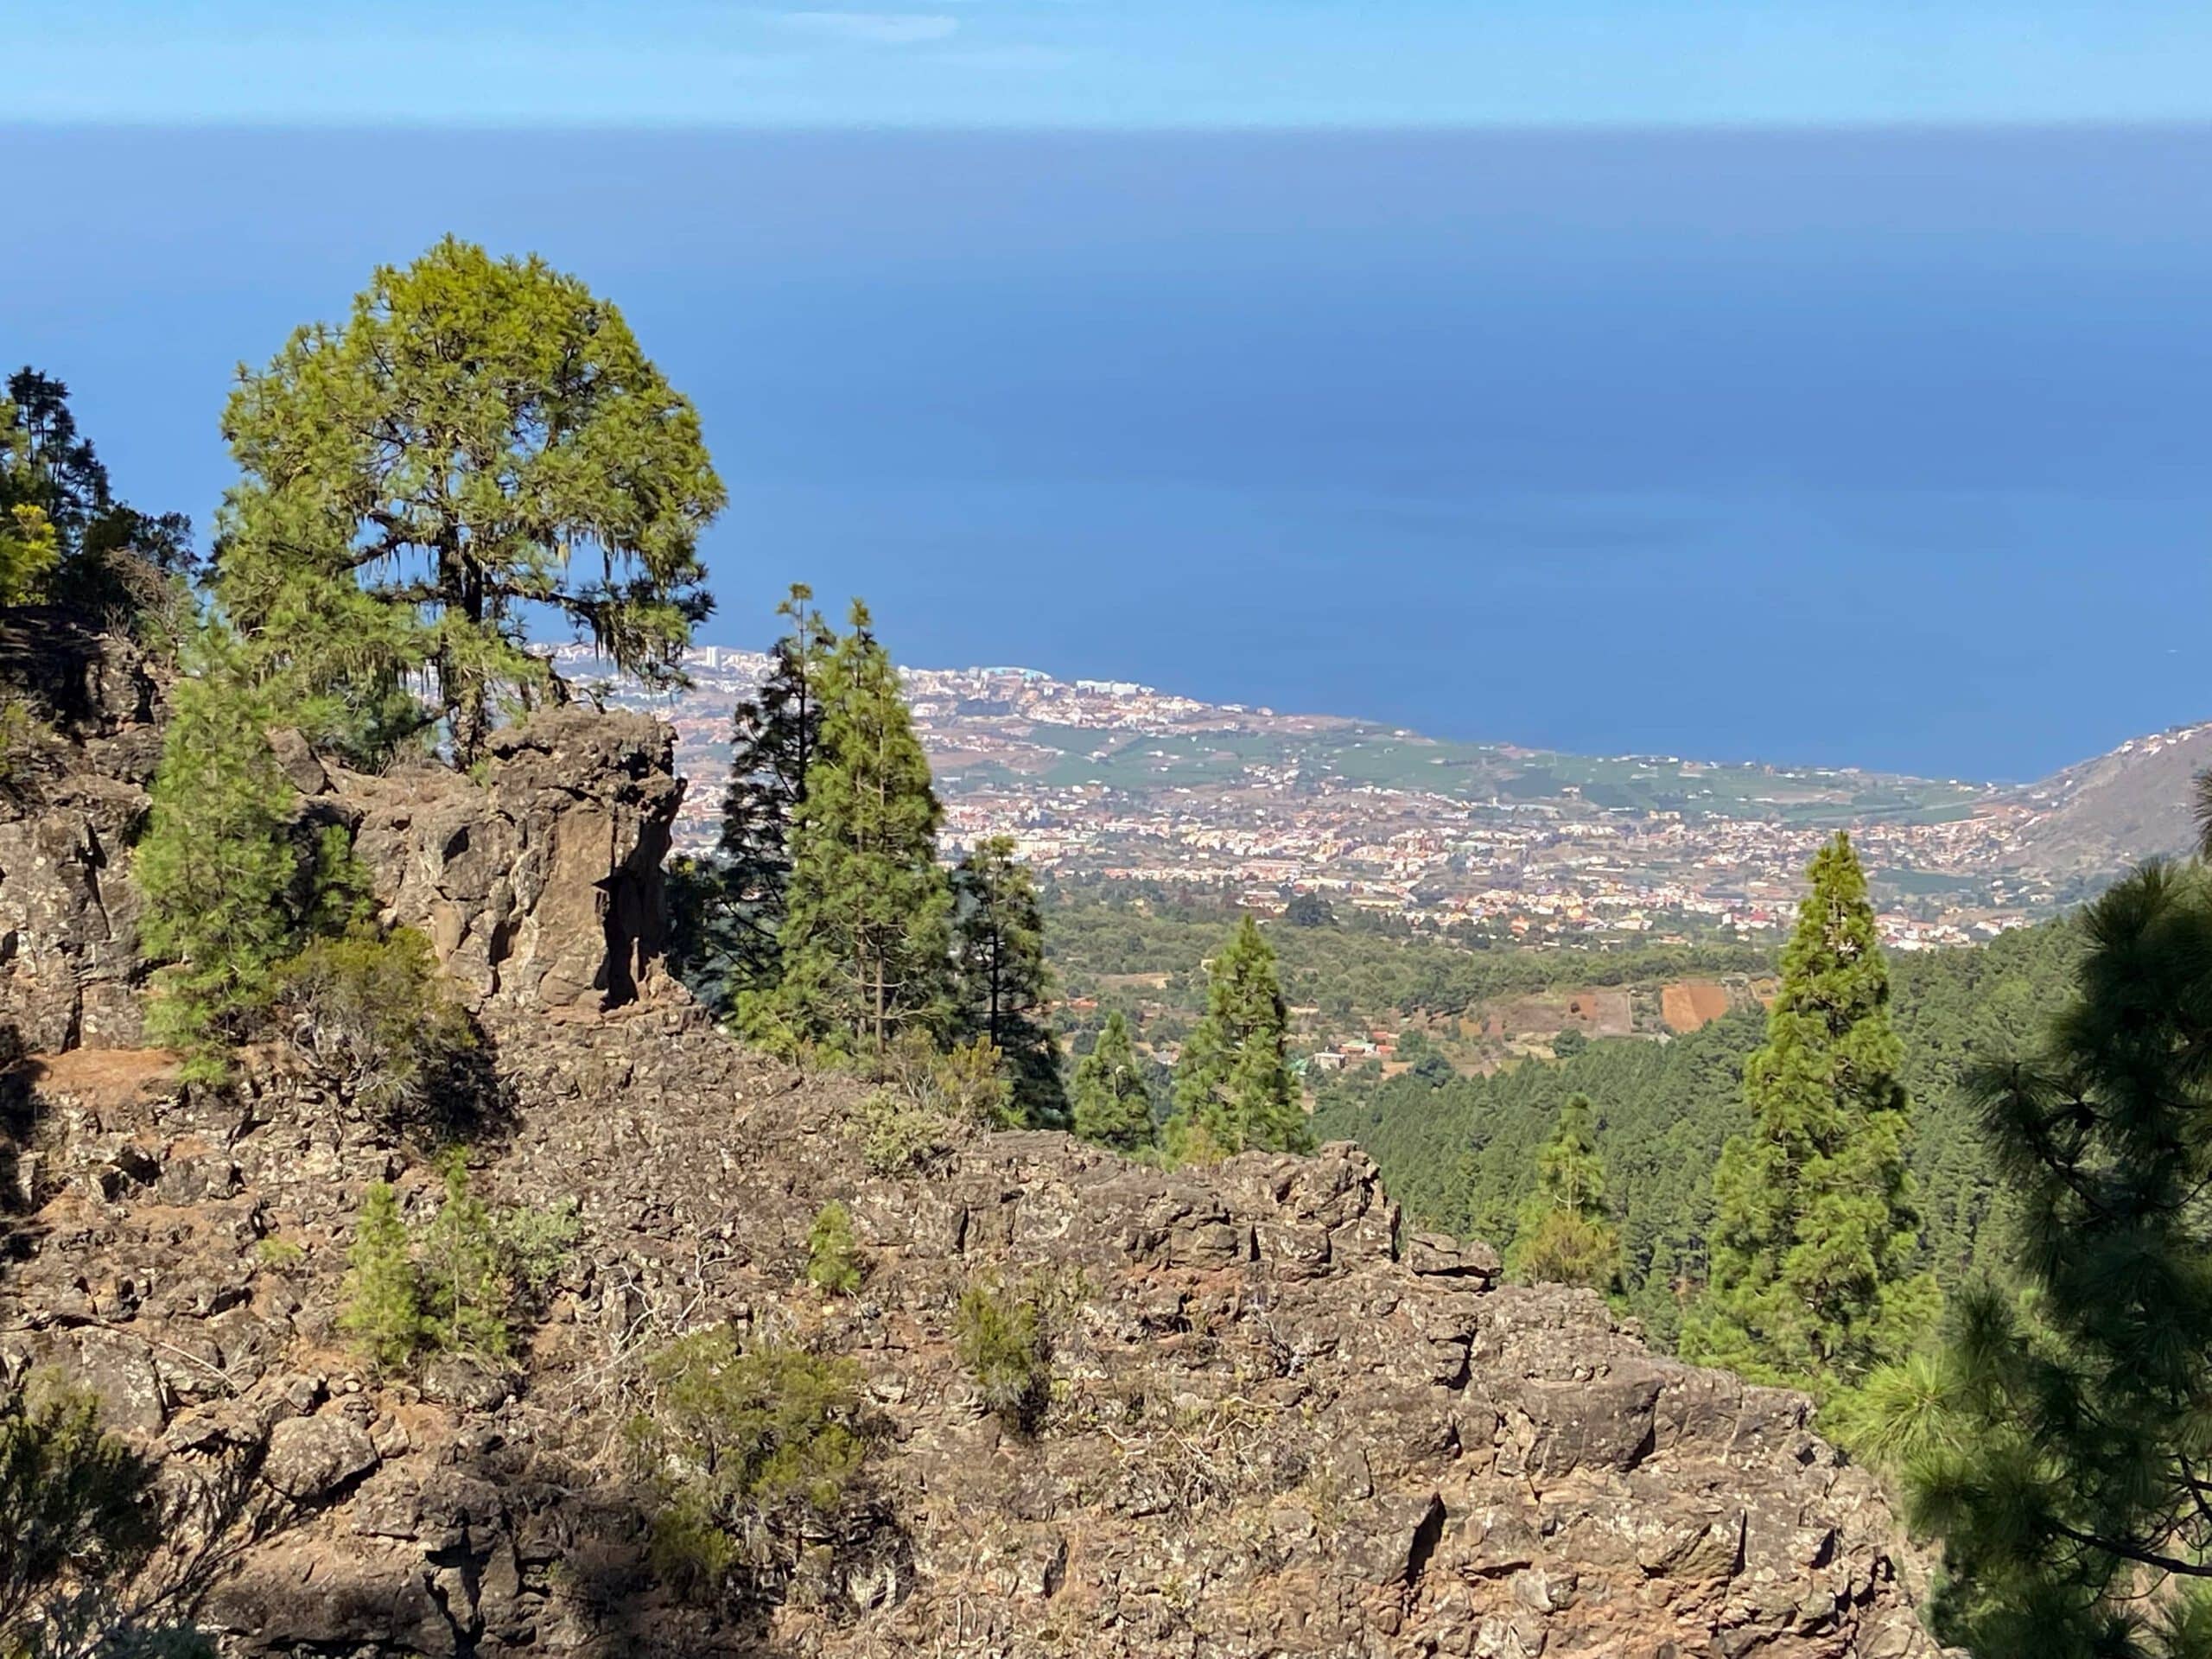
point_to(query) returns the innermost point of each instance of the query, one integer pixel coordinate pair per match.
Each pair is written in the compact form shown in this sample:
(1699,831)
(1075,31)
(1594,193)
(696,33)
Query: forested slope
(1460,1155)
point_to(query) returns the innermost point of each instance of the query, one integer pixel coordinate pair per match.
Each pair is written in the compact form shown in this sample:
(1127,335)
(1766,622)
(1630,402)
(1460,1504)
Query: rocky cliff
(1277,1423)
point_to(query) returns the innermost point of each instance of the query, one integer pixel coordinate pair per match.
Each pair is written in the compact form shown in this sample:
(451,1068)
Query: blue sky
(1108,63)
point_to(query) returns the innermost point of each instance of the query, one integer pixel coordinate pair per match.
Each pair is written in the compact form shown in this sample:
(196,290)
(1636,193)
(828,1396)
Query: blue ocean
(1882,448)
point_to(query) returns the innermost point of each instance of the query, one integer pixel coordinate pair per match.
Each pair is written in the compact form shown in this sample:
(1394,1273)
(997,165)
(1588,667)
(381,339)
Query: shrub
(461,1287)
(373,1014)
(930,1098)
(384,1294)
(755,1453)
(75,1503)
(900,1134)
(833,1256)
(1000,1337)
(466,1288)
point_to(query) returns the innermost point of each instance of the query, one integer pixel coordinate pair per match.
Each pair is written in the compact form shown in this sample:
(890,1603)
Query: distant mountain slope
(2097,817)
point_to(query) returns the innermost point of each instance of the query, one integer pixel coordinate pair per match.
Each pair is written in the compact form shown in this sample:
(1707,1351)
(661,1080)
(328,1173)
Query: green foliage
(482,442)
(1000,1336)
(466,1289)
(2057,1445)
(80,1521)
(1112,1105)
(865,940)
(374,1014)
(755,1453)
(219,869)
(899,1134)
(1005,989)
(1458,1157)
(383,1309)
(281,1254)
(832,1255)
(1814,1239)
(728,915)
(1366,970)
(63,535)
(459,1285)
(29,552)
(76,1505)
(1565,1235)
(1233,1089)
(933,1098)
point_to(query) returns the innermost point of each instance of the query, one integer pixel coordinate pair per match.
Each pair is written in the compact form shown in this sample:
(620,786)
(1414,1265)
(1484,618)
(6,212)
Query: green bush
(75,1503)
(1000,1336)
(900,1134)
(461,1286)
(383,1309)
(833,1256)
(755,1453)
(79,1518)
(373,1012)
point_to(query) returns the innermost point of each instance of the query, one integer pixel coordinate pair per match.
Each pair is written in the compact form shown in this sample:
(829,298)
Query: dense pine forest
(1460,1153)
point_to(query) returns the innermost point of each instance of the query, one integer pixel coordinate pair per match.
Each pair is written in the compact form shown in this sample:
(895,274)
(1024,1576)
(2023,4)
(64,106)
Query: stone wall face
(82,715)
(539,884)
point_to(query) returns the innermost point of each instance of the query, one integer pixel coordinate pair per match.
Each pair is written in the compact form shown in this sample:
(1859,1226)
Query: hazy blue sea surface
(1888,448)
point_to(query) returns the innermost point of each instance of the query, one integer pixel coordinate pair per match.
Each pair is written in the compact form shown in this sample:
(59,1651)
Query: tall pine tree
(1005,987)
(218,867)
(865,938)
(729,907)
(1815,1237)
(1112,1105)
(1233,1087)
(1565,1236)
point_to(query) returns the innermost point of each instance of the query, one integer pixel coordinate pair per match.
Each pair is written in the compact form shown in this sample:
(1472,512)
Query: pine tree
(1233,1088)
(865,940)
(732,904)
(2057,1443)
(383,1294)
(1565,1235)
(217,866)
(481,446)
(1004,985)
(1815,1238)
(1112,1105)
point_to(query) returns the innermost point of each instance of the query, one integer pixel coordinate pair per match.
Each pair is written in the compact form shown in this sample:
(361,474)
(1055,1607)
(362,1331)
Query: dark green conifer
(728,909)
(1112,1105)
(1233,1088)
(217,866)
(1814,1241)
(2060,1444)
(866,939)
(1004,986)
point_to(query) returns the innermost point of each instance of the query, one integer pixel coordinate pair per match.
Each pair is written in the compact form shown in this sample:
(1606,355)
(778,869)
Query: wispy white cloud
(872,28)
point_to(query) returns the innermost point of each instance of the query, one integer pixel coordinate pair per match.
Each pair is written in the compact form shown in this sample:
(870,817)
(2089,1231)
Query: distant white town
(1114,782)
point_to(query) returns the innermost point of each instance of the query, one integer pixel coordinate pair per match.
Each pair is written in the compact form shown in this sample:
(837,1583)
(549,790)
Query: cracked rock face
(539,886)
(85,737)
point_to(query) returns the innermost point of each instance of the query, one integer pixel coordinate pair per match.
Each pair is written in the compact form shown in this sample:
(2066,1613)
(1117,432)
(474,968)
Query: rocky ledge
(1278,1424)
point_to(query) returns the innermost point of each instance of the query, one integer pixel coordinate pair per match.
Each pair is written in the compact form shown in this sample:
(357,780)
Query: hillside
(2094,819)
(1256,1413)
